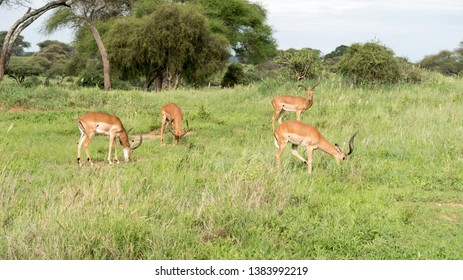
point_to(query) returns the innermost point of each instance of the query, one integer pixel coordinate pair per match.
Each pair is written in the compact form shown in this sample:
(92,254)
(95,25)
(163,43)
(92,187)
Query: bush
(233,76)
(301,64)
(369,63)
(411,73)
(31,82)
(91,79)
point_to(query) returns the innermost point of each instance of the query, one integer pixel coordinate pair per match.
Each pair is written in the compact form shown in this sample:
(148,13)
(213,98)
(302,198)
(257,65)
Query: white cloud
(413,28)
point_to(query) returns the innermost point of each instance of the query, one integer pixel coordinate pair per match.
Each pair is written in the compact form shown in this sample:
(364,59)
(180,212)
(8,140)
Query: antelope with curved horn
(173,115)
(289,103)
(301,134)
(102,123)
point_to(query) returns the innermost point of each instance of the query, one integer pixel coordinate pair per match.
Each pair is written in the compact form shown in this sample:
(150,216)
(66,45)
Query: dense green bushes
(369,63)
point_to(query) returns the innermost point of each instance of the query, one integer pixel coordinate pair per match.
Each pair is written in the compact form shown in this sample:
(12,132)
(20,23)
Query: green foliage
(301,64)
(369,63)
(331,59)
(445,62)
(243,24)
(91,79)
(176,40)
(55,58)
(338,52)
(21,67)
(411,73)
(233,76)
(31,82)
(18,46)
(146,7)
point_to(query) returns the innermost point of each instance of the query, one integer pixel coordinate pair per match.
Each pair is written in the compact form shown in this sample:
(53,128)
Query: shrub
(91,79)
(233,76)
(301,64)
(369,63)
(31,82)
(411,73)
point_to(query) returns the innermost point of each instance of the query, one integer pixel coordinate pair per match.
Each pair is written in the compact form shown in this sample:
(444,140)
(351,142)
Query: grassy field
(218,195)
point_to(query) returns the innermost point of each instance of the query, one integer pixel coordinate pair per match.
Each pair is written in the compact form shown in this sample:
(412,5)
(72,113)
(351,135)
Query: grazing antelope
(290,103)
(299,133)
(102,123)
(172,114)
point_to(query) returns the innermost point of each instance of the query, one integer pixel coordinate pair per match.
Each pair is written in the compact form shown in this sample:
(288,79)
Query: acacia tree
(173,41)
(88,12)
(54,57)
(243,24)
(445,62)
(29,17)
(22,67)
(18,46)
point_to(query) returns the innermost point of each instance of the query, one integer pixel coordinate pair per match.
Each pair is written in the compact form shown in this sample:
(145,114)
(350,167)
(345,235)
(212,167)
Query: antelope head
(342,155)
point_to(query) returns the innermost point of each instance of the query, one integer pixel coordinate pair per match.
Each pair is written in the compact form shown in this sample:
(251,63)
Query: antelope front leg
(115,151)
(163,125)
(174,137)
(111,143)
(280,150)
(309,159)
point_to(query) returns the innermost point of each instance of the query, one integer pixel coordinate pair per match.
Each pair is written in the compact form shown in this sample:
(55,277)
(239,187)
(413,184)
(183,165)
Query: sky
(411,28)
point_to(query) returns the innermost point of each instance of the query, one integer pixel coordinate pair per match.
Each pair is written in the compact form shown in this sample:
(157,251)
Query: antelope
(102,123)
(172,114)
(301,134)
(290,103)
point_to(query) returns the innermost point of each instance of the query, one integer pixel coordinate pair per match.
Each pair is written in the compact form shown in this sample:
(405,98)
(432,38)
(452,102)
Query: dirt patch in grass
(450,204)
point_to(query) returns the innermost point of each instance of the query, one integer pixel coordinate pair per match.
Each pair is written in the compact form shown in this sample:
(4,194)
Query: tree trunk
(103,53)
(29,17)
(148,81)
(159,81)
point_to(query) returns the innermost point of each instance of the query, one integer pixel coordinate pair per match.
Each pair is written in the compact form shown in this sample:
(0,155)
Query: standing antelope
(102,123)
(172,114)
(299,133)
(290,103)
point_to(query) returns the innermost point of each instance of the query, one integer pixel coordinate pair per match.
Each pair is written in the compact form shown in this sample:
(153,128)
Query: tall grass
(218,195)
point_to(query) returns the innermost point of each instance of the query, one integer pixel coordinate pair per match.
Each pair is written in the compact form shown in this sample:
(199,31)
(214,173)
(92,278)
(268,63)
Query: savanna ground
(218,195)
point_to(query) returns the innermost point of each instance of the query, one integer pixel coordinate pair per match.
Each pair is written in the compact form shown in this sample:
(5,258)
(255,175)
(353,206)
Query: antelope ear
(337,148)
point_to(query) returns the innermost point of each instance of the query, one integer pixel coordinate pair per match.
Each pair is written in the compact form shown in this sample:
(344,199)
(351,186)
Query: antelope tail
(81,127)
(275,141)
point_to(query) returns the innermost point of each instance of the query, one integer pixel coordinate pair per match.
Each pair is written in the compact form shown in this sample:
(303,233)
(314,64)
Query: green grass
(218,195)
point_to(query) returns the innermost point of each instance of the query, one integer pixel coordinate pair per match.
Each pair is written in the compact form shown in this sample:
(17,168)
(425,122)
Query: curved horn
(315,85)
(173,132)
(183,132)
(351,144)
(133,145)
(186,130)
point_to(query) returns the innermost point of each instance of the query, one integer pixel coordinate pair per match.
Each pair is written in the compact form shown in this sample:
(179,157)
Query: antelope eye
(344,158)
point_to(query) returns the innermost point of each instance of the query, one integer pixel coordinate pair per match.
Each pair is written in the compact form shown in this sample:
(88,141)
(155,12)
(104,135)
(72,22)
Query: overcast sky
(412,28)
